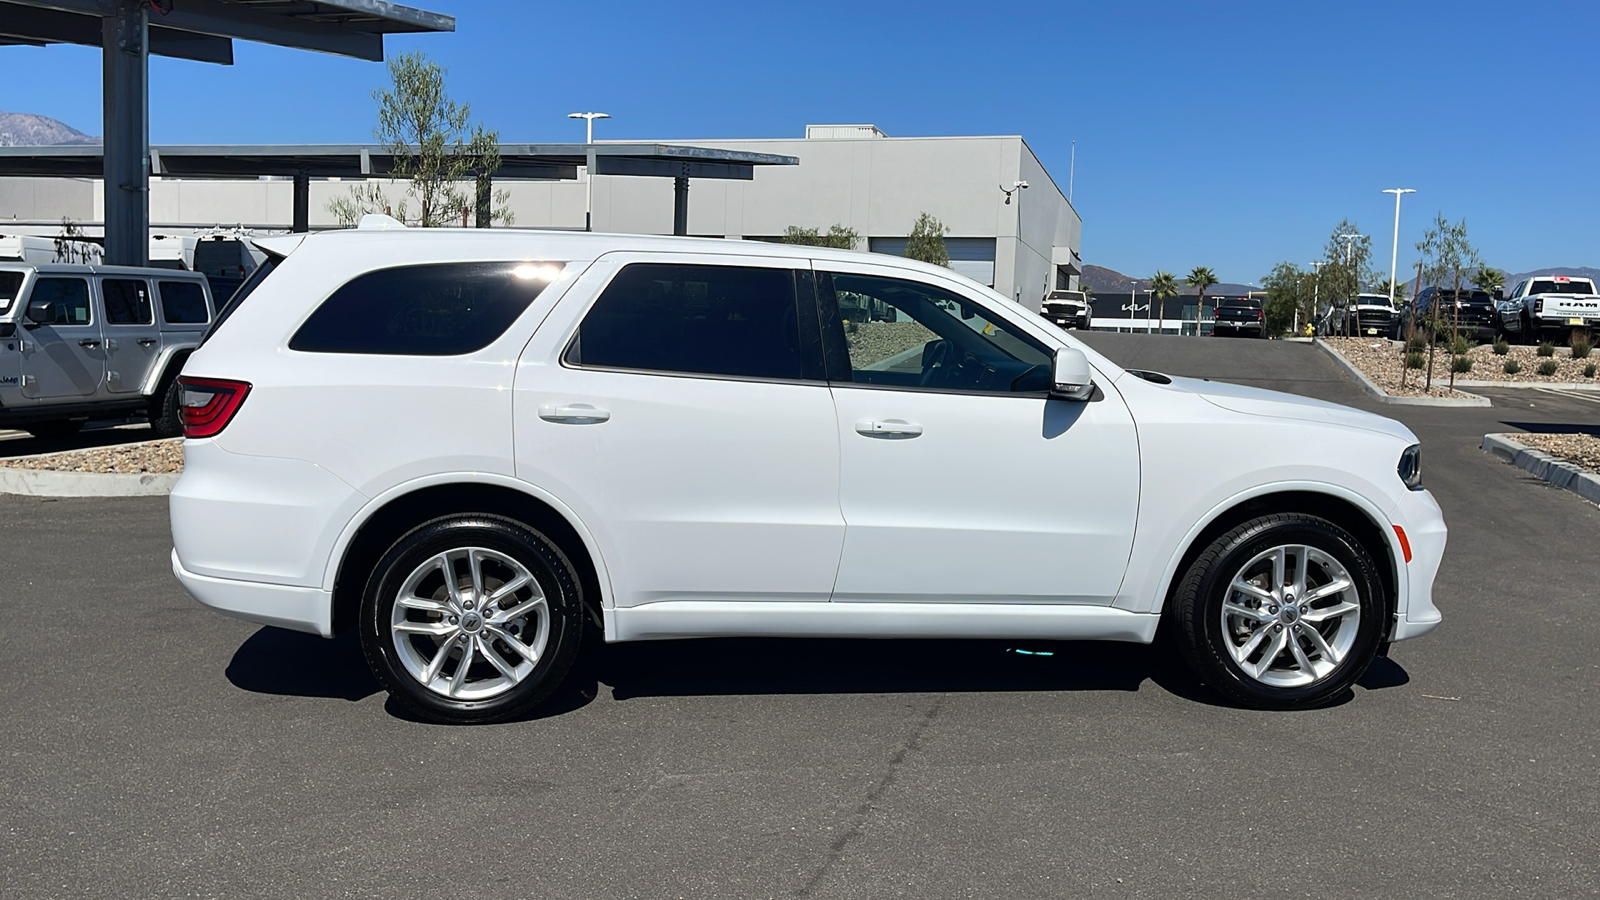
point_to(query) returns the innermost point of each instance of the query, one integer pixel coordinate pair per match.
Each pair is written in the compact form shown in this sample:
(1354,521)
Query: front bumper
(1418,513)
(285,606)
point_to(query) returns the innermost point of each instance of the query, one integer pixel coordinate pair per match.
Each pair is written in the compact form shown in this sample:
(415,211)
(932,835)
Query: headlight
(1410,468)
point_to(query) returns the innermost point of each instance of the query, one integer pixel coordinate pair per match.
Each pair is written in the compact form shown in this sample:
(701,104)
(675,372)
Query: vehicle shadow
(97,434)
(275,661)
(1556,427)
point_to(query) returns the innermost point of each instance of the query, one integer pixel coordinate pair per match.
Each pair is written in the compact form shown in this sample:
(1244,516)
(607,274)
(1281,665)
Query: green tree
(1200,278)
(1346,267)
(435,149)
(1401,289)
(1285,286)
(1163,287)
(1489,280)
(838,237)
(927,241)
(1447,255)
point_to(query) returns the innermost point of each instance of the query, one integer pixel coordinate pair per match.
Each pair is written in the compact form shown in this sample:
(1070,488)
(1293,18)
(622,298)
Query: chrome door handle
(145,342)
(88,342)
(897,428)
(573,414)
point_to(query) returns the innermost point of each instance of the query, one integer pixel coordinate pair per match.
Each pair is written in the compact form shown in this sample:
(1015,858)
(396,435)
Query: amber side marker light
(1405,545)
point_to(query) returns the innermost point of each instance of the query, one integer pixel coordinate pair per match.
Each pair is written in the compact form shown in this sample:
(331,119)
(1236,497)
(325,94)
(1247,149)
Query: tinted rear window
(127,301)
(1575,286)
(443,309)
(183,303)
(1241,304)
(10,285)
(711,320)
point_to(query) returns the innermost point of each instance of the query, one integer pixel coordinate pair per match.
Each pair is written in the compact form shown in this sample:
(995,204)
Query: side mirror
(40,312)
(1070,379)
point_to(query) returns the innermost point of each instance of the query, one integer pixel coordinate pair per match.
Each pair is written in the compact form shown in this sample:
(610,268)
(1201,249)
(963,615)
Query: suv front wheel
(1282,612)
(472,618)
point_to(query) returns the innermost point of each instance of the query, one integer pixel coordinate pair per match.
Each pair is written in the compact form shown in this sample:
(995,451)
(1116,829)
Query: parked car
(1372,315)
(1471,310)
(95,341)
(1240,315)
(474,447)
(1548,307)
(1068,309)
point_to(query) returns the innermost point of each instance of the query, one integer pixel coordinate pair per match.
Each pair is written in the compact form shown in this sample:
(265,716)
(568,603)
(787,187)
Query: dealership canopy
(128,31)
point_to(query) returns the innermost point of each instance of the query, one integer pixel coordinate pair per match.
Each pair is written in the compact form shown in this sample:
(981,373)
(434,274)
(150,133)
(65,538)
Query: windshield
(1571,286)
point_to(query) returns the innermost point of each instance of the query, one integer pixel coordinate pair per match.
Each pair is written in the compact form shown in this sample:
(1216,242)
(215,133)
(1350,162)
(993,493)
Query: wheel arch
(171,362)
(389,518)
(1363,522)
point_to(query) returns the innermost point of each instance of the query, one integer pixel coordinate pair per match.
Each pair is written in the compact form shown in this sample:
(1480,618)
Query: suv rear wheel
(1282,612)
(472,618)
(163,408)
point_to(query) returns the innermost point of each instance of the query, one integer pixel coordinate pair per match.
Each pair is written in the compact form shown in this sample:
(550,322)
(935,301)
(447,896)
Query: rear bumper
(285,606)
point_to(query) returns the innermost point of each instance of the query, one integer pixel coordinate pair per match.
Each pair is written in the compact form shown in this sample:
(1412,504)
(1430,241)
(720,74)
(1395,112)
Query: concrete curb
(1558,472)
(1559,385)
(49,483)
(1371,387)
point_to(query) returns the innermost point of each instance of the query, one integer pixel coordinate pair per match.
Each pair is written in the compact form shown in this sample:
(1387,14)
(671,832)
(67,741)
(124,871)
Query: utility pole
(1394,252)
(588,140)
(1072,169)
(1349,243)
(1316,292)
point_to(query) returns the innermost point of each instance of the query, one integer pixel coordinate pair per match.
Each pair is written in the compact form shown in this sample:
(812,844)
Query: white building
(1024,244)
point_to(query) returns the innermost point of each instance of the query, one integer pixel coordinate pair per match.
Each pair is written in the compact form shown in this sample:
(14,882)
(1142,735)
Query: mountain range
(29,130)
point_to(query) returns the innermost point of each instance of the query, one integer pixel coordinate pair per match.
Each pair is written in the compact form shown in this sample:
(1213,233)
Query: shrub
(1461,364)
(1501,347)
(1581,345)
(1549,367)
(1512,367)
(1418,342)
(1547,349)
(1415,359)
(1460,344)
(1588,371)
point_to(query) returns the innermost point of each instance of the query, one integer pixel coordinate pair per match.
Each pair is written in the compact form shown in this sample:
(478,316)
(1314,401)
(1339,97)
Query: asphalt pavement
(154,749)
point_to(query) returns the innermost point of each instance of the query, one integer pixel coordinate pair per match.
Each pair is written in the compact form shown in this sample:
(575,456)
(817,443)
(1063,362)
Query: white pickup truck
(1548,307)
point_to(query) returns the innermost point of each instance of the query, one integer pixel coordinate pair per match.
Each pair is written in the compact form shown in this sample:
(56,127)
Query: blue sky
(1229,134)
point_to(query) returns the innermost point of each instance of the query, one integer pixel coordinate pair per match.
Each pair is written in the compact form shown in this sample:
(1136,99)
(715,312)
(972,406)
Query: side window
(10,287)
(183,303)
(127,301)
(68,299)
(445,309)
(904,333)
(698,319)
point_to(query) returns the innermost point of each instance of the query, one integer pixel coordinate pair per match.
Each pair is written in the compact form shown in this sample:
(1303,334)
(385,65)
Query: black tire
(1197,611)
(163,410)
(539,555)
(58,429)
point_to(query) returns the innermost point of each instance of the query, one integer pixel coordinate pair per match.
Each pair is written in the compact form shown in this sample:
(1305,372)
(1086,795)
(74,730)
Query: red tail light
(1260,314)
(207,405)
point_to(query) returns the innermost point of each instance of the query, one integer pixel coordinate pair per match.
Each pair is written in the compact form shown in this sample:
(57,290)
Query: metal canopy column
(680,202)
(125,64)
(302,202)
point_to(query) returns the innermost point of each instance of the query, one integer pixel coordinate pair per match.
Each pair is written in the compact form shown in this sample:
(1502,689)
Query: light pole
(1349,242)
(588,140)
(1316,292)
(1394,253)
(1133,307)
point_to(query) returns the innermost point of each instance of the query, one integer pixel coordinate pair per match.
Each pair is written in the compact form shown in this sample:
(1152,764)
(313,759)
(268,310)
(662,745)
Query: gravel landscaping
(146,458)
(1380,360)
(872,342)
(1578,449)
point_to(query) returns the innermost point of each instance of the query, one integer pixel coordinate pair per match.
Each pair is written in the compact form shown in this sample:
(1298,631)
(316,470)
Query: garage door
(972,257)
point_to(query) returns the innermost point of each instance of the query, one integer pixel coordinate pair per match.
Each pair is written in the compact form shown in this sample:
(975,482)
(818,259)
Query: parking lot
(153,748)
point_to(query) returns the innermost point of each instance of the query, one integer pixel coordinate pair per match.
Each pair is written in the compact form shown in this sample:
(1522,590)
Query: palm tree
(1489,280)
(1162,286)
(1200,277)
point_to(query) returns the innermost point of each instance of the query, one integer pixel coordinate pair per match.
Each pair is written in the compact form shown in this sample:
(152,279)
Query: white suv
(476,446)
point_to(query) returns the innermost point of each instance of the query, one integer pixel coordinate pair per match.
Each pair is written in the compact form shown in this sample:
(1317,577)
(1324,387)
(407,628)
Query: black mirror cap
(41,311)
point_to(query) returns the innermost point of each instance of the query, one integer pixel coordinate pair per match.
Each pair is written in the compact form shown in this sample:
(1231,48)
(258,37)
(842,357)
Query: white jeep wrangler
(80,342)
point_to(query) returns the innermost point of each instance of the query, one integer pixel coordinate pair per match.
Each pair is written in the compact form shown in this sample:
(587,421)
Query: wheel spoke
(1274,647)
(1279,563)
(1336,586)
(523,650)
(1242,652)
(1302,562)
(460,678)
(1300,657)
(486,648)
(1245,612)
(450,585)
(1245,587)
(423,604)
(475,569)
(509,588)
(437,663)
(437,629)
(1320,644)
(521,609)
(1337,611)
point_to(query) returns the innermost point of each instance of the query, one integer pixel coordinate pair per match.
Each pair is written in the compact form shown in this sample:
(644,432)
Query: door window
(183,303)
(127,302)
(700,319)
(901,333)
(68,299)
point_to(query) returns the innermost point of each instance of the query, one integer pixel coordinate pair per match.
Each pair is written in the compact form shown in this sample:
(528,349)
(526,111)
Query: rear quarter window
(183,303)
(10,286)
(443,309)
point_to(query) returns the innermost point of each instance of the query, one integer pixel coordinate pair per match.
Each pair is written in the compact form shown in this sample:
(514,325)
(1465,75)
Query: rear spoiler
(280,245)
